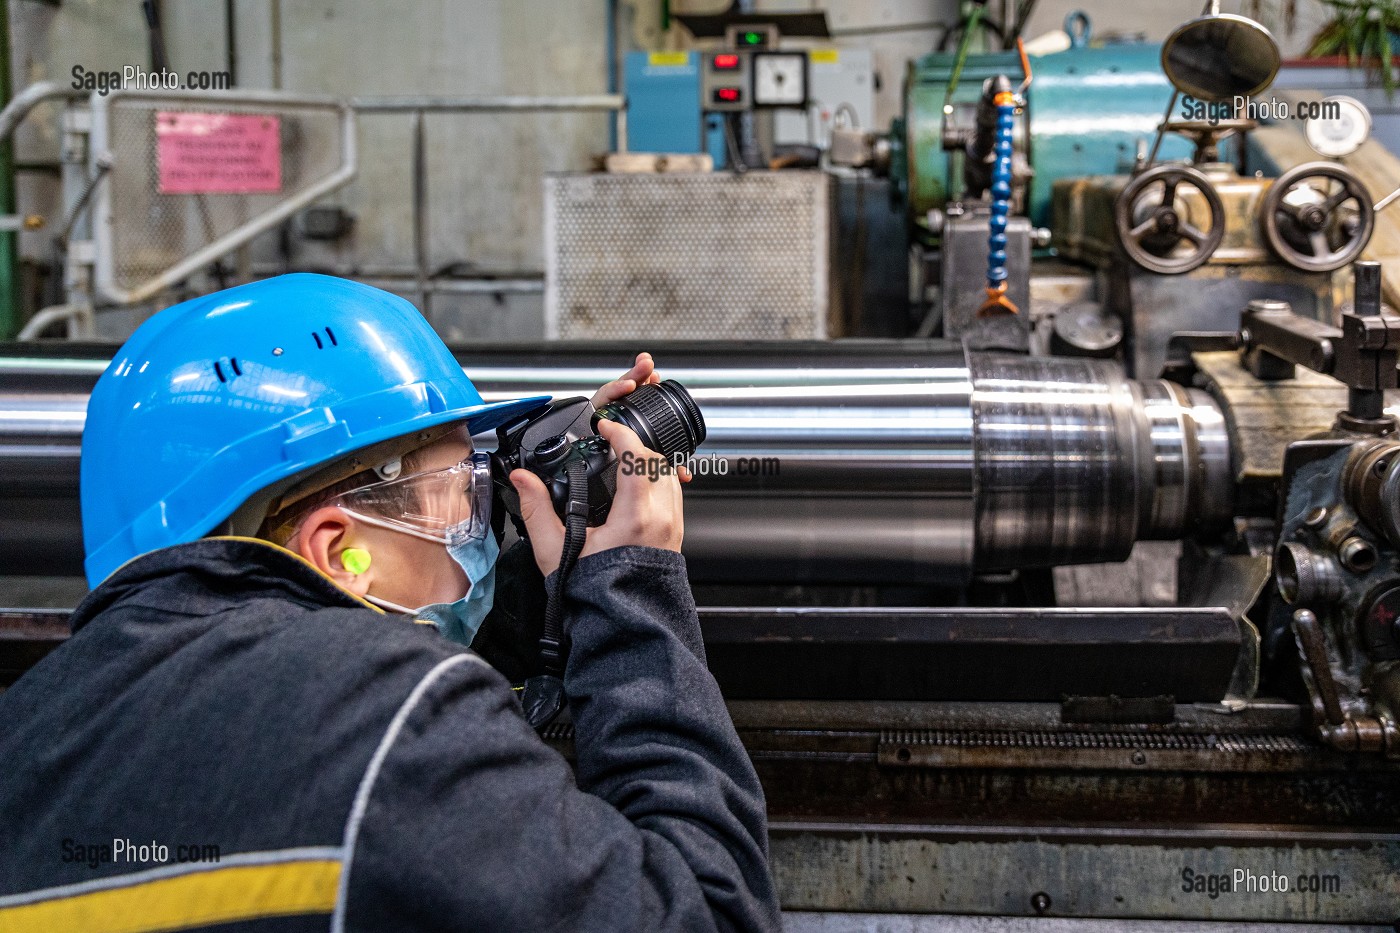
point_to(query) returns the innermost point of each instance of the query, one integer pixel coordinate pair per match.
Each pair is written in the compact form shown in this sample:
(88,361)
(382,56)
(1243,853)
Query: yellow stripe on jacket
(200,898)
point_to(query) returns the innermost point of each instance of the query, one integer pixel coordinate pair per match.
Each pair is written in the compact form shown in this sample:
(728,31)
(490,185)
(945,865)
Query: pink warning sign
(218,153)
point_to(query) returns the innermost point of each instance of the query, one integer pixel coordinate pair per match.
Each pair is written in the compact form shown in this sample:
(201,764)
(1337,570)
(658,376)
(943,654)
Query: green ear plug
(355,560)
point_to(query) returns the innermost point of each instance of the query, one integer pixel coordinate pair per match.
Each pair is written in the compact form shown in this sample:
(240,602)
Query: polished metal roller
(860,461)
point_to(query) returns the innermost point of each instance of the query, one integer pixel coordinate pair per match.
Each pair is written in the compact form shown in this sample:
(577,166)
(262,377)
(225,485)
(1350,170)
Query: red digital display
(728,62)
(727,95)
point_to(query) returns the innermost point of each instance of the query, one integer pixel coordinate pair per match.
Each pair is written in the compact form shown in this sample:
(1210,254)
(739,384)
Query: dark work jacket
(229,740)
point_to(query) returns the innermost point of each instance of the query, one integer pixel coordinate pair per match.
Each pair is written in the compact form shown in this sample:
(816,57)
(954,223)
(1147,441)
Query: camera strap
(544,695)
(575,533)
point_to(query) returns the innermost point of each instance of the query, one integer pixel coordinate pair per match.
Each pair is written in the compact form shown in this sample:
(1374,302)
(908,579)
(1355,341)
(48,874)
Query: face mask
(459,621)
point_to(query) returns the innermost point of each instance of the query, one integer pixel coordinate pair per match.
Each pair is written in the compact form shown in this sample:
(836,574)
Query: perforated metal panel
(704,256)
(142,232)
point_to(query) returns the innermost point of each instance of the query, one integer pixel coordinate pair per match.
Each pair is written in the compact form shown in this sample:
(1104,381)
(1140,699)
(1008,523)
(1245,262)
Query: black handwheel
(1317,217)
(1160,228)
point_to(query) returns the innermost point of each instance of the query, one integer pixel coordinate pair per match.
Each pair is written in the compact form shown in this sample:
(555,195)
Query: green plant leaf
(1387,68)
(1327,41)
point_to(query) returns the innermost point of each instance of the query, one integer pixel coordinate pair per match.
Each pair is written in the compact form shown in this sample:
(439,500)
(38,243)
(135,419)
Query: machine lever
(1322,687)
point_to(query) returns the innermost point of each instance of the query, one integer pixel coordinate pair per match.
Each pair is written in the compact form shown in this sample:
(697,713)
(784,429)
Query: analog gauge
(780,79)
(1342,125)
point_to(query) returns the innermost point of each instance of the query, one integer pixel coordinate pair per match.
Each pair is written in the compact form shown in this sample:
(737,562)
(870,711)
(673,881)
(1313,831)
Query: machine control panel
(742,79)
(726,82)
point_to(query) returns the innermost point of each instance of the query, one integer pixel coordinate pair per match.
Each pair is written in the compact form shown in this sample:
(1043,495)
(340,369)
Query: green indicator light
(752,38)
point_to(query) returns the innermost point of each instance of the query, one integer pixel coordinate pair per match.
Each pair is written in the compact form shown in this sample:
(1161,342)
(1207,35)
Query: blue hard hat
(220,397)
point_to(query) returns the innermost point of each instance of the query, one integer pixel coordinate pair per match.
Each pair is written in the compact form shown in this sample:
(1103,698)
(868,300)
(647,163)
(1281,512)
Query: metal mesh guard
(150,231)
(703,256)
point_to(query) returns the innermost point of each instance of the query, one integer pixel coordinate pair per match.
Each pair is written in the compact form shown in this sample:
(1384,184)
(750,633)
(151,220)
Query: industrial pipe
(862,461)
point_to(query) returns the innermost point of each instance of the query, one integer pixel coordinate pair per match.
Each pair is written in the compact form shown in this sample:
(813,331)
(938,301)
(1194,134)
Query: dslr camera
(547,441)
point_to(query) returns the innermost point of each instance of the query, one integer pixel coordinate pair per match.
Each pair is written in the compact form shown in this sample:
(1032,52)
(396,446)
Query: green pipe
(9,242)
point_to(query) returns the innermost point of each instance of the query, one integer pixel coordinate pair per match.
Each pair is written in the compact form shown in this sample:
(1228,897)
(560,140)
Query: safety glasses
(447,506)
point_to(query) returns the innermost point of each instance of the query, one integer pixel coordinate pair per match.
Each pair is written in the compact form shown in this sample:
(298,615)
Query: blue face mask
(458,621)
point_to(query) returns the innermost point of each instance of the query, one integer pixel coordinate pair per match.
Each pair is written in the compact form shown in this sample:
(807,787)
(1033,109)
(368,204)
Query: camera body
(547,441)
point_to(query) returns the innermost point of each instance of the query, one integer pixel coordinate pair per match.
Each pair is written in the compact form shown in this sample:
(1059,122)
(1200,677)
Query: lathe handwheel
(1317,217)
(1155,225)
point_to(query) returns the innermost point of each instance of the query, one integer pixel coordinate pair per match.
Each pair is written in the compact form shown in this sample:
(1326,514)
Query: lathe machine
(950,711)
(1092,634)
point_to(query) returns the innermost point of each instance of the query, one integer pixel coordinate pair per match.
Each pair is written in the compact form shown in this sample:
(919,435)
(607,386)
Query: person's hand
(645,511)
(643,372)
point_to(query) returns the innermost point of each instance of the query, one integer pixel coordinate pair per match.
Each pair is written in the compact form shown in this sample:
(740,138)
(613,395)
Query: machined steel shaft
(854,461)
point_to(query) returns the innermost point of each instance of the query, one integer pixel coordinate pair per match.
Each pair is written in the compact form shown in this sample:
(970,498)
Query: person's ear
(328,539)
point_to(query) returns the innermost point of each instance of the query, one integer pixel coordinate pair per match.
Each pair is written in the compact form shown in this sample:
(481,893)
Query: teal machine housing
(664,110)
(1086,110)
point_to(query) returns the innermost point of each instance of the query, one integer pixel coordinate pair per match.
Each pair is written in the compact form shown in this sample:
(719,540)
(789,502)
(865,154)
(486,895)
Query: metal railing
(224,245)
(105,291)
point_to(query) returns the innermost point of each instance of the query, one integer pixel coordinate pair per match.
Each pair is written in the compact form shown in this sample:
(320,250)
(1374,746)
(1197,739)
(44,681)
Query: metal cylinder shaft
(1076,463)
(858,461)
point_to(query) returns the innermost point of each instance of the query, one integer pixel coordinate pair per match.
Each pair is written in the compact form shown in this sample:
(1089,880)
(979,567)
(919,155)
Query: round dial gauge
(1344,126)
(780,79)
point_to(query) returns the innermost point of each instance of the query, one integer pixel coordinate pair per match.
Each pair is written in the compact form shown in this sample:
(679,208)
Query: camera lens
(664,416)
